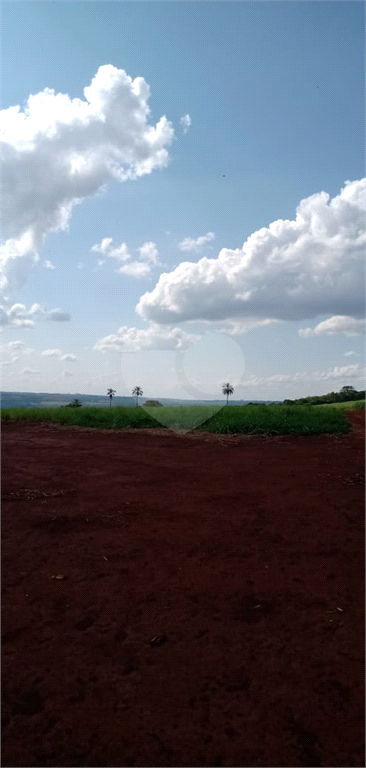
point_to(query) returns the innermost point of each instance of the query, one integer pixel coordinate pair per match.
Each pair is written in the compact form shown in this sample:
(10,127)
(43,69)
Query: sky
(184,197)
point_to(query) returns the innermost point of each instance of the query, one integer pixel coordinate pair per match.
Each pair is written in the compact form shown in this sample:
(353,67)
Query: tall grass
(107,418)
(348,405)
(259,419)
(277,419)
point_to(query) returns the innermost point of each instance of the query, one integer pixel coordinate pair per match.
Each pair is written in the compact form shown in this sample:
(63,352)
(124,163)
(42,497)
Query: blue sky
(274,92)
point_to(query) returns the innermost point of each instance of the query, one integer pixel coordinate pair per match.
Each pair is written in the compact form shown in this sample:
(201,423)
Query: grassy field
(259,419)
(358,404)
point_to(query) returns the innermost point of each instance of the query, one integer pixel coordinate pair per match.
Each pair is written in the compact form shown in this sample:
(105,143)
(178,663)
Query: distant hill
(54,400)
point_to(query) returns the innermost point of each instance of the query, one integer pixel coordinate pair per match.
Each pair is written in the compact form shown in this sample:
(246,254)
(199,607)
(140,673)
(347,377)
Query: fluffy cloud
(137,339)
(291,270)
(354,372)
(103,246)
(17,258)
(142,268)
(120,253)
(55,314)
(238,327)
(19,315)
(149,252)
(48,264)
(349,326)
(136,269)
(14,346)
(19,323)
(51,353)
(58,353)
(189,244)
(58,151)
(186,122)
(16,349)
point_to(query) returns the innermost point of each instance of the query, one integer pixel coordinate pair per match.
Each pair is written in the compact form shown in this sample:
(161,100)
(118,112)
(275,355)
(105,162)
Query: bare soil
(176,600)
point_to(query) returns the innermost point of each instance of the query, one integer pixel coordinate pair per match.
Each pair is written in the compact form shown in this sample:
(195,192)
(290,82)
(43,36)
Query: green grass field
(349,404)
(259,419)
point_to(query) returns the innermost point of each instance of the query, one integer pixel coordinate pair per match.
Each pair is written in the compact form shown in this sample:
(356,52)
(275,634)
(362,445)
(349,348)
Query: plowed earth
(209,609)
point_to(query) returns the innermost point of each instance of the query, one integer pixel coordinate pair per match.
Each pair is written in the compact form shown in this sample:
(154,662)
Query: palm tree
(227,389)
(111,393)
(75,404)
(137,391)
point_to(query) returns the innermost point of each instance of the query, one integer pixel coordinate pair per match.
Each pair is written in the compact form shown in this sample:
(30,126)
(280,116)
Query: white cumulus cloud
(240,326)
(103,246)
(14,346)
(57,151)
(16,349)
(349,326)
(191,244)
(51,353)
(291,270)
(186,122)
(121,252)
(58,353)
(136,269)
(149,252)
(56,314)
(154,337)
(343,372)
(48,264)
(20,316)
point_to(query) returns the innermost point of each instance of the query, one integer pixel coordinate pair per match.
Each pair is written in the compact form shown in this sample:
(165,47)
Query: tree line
(346,393)
(227,389)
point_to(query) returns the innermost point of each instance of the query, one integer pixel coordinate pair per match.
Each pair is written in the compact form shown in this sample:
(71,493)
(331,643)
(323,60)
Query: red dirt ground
(243,556)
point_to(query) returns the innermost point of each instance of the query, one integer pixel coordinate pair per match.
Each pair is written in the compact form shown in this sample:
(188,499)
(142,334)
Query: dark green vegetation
(258,419)
(346,394)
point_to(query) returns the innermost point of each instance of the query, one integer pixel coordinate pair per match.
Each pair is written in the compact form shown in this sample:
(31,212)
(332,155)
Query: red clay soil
(176,600)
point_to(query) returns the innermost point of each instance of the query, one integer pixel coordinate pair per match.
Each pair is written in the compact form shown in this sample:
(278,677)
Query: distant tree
(137,392)
(153,403)
(348,388)
(111,393)
(75,404)
(227,389)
